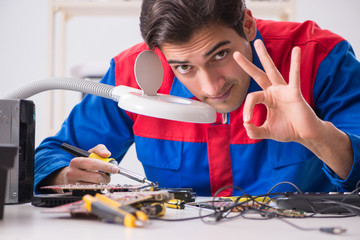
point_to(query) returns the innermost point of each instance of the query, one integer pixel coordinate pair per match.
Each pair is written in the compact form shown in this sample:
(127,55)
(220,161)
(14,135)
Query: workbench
(26,222)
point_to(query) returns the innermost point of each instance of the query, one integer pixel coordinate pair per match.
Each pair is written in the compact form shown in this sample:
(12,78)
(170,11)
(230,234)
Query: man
(286,94)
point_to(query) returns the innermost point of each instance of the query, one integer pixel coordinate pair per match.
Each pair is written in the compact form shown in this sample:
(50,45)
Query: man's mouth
(222,97)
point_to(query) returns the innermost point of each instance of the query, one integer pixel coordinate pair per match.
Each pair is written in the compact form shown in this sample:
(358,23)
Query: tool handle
(107,212)
(82,153)
(127,208)
(175,203)
(108,160)
(77,152)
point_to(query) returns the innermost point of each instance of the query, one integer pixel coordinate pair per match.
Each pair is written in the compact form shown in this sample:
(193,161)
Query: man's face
(205,65)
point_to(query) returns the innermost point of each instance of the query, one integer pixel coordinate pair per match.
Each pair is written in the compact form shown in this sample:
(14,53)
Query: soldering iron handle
(74,150)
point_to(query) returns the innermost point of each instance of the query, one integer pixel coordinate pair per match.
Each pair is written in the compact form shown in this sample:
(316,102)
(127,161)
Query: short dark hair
(175,21)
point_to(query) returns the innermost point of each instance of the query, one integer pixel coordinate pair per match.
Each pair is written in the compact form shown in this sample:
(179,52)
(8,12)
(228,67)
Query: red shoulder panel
(314,42)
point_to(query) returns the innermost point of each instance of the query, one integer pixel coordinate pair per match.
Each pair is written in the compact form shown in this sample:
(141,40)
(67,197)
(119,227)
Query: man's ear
(249,25)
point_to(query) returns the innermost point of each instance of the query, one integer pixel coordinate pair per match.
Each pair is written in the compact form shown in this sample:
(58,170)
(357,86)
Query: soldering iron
(77,152)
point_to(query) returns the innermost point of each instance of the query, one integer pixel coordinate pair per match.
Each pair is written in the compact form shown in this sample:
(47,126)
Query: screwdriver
(151,209)
(175,203)
(77,152)
(139,214)
(107,212)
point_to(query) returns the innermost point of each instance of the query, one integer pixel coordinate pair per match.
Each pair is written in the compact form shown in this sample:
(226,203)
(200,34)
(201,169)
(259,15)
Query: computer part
(325,203)
(17,127)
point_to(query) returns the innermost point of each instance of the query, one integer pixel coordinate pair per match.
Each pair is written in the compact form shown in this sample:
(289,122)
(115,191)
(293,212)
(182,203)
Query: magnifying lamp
(149,75)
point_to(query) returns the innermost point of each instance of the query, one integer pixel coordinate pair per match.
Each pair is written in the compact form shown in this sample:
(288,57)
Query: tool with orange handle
(109,213)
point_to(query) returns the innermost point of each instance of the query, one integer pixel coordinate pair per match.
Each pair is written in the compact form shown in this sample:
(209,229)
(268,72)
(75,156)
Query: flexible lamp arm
(80,85)
(128,98)
(149,75)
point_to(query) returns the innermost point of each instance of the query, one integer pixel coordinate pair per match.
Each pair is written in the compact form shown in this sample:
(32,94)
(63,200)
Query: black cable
(301,194)
(331,230)
(350,208)
(356,190)
(285,182)
(243,208)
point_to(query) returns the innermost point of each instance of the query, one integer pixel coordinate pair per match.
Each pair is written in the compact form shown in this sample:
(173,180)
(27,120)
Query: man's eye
(183,68)
(221,55)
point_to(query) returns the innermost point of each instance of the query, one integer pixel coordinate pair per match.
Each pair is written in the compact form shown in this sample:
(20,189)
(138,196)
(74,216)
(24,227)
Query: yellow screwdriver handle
(108,160)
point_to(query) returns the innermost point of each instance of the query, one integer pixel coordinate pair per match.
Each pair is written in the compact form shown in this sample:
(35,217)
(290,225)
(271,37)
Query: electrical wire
(251,204)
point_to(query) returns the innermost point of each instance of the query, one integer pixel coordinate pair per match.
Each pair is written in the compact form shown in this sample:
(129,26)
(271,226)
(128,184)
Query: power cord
(266,212)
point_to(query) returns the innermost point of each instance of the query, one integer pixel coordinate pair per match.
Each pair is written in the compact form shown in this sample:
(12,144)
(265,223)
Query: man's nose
(211,83)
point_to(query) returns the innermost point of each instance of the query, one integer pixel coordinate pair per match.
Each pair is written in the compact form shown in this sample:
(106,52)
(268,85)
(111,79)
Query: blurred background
(78,38)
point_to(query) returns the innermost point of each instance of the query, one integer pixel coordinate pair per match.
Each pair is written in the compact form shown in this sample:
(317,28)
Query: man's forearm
(333,147)
(55,178)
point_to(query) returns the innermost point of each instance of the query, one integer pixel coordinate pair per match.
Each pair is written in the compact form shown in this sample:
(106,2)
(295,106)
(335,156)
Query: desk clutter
(131,209)
(129,205)
(135,205)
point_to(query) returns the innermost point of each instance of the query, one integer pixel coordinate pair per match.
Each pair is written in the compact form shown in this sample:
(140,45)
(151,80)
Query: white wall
(341,17)
(23,52)
(23,39)
(22,42)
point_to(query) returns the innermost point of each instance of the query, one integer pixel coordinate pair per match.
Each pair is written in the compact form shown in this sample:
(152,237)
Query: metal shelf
(98,8)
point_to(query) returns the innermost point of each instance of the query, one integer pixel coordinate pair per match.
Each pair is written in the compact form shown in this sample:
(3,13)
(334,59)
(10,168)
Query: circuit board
(75,192)
(124,198)
(98,187)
